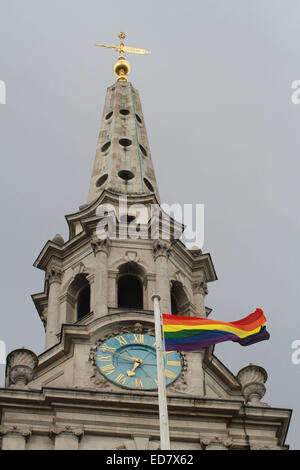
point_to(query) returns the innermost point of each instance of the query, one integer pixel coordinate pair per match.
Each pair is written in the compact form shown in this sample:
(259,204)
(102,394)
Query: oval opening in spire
(109,115)
(101,180)
(124,112)
(125,142)
(126,175)
(105,146)
(149,185)
(143,150)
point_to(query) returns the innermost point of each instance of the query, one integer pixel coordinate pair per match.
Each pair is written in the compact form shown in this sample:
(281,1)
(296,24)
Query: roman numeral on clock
(121,379)
(173,363)
(109,369)
(170,374)
(107,348)
(138,338)
(139,384)
(121,340)
(104,358)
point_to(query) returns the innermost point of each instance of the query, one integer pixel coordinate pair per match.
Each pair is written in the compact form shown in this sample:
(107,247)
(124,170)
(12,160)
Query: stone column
(91,279)
(66,437)
(14,437)
(161,253)
(53,276)
(200,291)
(101,250)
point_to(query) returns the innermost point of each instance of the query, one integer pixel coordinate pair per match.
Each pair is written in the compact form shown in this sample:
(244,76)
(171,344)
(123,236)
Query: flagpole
(162,393)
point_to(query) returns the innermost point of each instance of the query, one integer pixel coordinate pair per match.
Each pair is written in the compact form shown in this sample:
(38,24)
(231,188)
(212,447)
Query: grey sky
(216,95)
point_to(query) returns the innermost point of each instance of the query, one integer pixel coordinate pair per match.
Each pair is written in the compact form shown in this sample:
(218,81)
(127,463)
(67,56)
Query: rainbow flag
(193,333)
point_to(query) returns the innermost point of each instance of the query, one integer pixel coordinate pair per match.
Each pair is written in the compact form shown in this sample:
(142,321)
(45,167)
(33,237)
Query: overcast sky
(223,131)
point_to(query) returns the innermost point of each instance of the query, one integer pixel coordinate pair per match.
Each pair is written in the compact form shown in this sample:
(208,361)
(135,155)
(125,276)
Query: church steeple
(97,310)
(123,161)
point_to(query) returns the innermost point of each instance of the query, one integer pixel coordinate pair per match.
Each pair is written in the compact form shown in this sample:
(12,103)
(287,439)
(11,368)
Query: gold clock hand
(131,372)
(123,355)
(128,357)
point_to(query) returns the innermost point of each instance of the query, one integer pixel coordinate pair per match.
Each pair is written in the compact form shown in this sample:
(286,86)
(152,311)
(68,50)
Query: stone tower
(85,391)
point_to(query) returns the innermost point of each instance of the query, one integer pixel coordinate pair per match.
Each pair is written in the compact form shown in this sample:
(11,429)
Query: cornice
(199,262)
(40,301)
(223,407)
(51,250)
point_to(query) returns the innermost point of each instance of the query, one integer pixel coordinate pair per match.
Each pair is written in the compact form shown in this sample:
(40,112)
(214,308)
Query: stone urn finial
(252,379)
(20,367)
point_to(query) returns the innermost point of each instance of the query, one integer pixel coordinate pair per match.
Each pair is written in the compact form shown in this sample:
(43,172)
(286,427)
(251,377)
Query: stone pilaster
(200,291)
(14,437)
(101,248)
(194,361)
(91,279)
(53,277)
(161,253)
(66,437)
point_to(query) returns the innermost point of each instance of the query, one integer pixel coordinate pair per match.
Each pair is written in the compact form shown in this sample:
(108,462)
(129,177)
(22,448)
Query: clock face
(130,362)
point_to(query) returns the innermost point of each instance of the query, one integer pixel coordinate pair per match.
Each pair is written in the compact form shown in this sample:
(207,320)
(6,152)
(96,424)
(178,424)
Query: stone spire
(123,161)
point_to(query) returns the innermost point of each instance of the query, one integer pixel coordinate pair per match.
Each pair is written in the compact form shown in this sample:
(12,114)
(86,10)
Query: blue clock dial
(129,361)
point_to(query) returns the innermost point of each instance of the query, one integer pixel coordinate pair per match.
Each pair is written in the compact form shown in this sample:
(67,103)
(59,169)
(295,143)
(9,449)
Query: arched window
(130,292)
(78,298)
(84,302)
(130,286)
(179,301)
(174,307)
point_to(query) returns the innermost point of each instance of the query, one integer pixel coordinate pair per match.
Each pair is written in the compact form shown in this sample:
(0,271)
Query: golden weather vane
(122,66)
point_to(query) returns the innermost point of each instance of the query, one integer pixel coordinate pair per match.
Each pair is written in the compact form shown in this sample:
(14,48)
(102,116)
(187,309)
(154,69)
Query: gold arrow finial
(122,66)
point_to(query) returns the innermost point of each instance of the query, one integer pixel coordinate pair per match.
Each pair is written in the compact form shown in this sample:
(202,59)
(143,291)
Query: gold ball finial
(122,69)
(122,35)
